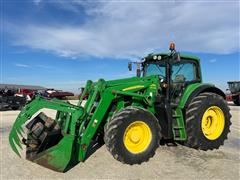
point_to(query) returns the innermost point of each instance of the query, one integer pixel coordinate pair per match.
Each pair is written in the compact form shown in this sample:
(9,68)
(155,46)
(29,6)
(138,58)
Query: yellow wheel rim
(137,137)
(213,122)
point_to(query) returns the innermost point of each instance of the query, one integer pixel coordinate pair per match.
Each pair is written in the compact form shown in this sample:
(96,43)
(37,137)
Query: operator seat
(179,79)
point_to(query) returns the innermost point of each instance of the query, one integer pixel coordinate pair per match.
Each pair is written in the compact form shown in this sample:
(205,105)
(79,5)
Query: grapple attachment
(49,142)
(43,143)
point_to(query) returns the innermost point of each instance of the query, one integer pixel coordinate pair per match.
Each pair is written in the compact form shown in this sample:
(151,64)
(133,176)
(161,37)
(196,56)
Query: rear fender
(195,89)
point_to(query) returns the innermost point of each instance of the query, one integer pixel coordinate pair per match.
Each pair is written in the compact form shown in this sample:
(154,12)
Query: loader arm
(106,94)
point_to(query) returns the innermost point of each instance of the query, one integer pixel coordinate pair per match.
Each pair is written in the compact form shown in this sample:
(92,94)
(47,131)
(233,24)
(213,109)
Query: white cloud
(213,60)
(43,66)
(22,65)
(32,66)
(37,1)
(133,29)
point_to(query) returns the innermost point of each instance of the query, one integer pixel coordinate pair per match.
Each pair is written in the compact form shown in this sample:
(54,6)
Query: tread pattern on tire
(194,112)
(111,135)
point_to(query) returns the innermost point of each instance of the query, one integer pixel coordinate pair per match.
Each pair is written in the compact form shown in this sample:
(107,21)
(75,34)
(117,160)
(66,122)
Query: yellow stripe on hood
(133,87)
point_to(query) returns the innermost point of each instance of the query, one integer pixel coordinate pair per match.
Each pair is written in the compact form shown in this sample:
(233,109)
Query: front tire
(207,121)
(132,135)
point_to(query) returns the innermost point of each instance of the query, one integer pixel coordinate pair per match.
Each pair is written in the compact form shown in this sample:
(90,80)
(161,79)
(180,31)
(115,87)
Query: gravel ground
(169,162)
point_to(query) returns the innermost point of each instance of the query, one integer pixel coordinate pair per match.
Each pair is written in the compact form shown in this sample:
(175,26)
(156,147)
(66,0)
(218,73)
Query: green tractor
(234,88)
(165,101)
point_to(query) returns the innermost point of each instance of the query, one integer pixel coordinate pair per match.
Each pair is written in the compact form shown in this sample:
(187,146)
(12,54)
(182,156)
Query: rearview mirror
(130,66)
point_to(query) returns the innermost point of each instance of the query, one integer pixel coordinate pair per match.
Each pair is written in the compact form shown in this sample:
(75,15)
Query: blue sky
(61,44)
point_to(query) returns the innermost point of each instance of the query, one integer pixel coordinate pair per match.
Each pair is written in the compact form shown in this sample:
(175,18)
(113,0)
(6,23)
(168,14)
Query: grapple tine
(12,144)
(17,140)
(14,138)
(19,131)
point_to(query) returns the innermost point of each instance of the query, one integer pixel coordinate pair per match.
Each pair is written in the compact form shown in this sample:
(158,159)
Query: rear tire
(207,122)
(132,135)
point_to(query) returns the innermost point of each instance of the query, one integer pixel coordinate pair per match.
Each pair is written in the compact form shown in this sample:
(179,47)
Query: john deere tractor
(165,101)
(234,88)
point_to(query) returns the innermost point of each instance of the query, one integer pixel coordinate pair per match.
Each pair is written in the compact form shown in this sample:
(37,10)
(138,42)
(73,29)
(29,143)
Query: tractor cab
(176,71)
(187,70)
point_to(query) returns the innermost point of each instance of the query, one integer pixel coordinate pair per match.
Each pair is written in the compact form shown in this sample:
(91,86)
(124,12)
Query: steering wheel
(162,81)
(162,78)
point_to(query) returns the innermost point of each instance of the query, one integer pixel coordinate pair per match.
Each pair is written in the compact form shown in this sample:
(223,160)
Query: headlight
(154,57)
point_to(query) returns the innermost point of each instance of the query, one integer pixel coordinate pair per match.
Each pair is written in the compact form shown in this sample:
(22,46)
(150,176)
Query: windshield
(155,69)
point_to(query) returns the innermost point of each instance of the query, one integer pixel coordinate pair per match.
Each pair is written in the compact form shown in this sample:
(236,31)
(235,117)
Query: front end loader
(167,100)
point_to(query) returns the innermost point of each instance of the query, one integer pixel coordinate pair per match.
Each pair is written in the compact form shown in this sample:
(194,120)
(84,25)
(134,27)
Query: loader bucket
(58,157)
(45,143)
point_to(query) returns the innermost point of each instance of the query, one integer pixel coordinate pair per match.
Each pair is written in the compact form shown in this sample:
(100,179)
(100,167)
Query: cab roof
(163,55)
